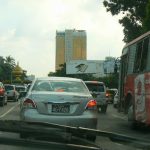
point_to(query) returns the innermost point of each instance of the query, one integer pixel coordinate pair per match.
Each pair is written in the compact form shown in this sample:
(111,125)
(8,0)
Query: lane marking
(123,118)
(3,115)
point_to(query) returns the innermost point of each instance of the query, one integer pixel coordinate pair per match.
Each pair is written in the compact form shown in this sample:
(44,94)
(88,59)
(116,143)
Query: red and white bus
(134,83)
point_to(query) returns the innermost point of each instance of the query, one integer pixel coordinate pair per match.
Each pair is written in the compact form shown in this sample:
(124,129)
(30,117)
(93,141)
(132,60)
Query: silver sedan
(60,100)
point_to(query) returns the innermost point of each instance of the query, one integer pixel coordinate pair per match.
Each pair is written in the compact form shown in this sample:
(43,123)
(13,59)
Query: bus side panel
(147,97)
(140,98)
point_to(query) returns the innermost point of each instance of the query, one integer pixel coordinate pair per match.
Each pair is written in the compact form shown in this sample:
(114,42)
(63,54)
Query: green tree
(11,61)
(24,75)
(2,67)
(2,60)
(6,66)
(9,66)
(135,13)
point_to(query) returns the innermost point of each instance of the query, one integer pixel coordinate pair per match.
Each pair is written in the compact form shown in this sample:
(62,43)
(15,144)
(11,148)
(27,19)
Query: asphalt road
(112,121)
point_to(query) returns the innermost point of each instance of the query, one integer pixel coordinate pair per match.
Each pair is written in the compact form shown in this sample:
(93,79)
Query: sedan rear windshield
(60,86)
(9,88)
(95,87)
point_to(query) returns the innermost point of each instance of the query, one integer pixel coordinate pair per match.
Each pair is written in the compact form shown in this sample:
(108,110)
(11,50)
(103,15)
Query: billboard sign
(84,66)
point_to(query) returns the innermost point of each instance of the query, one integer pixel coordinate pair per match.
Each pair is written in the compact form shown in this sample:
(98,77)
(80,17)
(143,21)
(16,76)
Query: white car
(60,100)
(12,93)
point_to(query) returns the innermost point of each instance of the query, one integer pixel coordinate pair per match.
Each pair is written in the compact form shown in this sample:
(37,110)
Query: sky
(28,31)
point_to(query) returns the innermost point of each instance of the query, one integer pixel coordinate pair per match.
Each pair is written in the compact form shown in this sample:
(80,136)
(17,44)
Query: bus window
(138,57)
(148,60)
(132,52)
(144,55)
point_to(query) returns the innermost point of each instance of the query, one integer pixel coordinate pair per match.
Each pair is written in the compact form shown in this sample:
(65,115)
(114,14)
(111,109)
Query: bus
(134,80)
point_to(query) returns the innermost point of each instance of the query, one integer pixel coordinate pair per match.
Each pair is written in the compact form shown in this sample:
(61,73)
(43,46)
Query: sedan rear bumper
(87,120)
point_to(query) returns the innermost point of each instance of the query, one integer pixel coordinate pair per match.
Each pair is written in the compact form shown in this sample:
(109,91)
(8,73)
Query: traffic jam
(75,75)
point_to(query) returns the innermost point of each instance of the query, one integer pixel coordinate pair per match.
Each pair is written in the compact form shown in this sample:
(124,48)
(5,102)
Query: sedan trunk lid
(60,103)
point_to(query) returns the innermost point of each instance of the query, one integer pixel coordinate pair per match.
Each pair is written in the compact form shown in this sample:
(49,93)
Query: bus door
(122,75)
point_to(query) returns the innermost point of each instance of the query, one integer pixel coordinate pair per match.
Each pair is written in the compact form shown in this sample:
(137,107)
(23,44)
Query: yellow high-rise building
(70,45)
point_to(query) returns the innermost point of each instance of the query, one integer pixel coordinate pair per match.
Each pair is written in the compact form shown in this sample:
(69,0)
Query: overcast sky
(28,30)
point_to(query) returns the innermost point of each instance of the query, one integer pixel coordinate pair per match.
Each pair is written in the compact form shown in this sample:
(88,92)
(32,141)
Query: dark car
(98,91)
(3,95)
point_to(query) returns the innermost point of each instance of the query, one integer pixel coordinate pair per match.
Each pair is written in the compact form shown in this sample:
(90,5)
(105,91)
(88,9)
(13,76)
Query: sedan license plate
(60,108)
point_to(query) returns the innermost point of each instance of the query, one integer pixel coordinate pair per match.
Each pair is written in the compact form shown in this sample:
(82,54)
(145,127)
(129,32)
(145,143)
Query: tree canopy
(10,61)
(136,15)
(7,65)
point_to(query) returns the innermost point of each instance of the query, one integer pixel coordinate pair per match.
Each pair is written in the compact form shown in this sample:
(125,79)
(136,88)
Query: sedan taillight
(91,104)
(28,103)
(2,91)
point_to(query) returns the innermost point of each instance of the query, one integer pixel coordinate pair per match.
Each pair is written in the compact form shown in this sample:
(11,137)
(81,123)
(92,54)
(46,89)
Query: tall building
(70,45)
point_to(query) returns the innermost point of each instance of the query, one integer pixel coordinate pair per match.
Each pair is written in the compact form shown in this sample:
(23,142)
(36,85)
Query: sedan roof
(59,78)
(94,82)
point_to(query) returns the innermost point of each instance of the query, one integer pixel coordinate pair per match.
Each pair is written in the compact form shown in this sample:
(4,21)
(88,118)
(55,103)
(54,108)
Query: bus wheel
(131,119)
